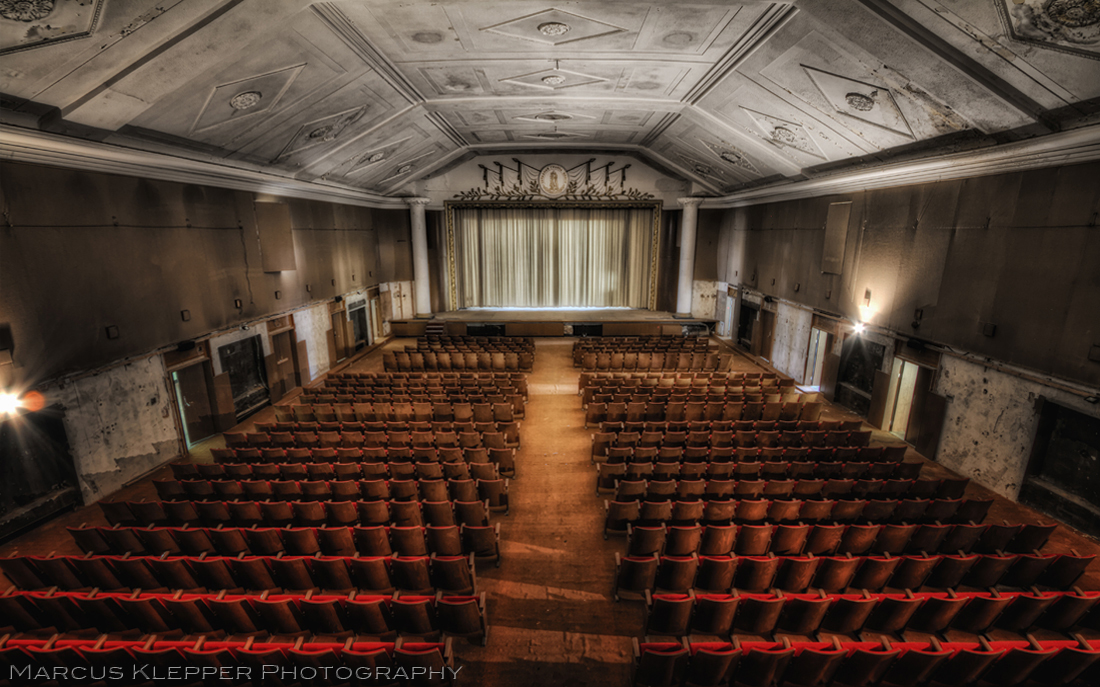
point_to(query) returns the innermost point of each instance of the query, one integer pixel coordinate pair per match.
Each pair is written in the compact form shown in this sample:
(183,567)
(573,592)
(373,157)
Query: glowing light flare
(9,403)
(866,312)
(34,401)
(859,327)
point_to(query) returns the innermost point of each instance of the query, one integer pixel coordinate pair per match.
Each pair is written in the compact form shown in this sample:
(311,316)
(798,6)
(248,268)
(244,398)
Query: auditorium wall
(999,268)
(159,263)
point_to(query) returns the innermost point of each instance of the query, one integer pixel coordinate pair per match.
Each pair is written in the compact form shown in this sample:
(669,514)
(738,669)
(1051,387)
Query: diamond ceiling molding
(1065,25)
(406,167)
(864,101)
(700,168)
(732,155)
(551,117)
(26,24)
(554,79)
(231,101)
(555,136)
(554,27)
(375,156)
(320,131)
(784,133)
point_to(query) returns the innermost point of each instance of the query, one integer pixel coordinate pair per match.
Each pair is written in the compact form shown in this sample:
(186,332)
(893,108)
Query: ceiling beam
(41,148)
(1054,150)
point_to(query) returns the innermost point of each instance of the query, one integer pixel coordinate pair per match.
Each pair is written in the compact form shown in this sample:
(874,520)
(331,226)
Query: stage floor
(566,316)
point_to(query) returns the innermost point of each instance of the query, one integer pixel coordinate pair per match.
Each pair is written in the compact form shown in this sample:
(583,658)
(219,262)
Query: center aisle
(552,618)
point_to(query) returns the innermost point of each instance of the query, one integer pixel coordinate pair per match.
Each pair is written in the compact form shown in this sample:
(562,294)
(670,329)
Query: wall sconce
(278,295)
(185,315)
(112,332)
(237,303)
(867,297)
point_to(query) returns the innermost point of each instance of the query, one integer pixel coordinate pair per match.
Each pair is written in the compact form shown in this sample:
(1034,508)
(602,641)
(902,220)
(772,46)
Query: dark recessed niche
(237,303)
(112,332)
(185,315)
(278,295)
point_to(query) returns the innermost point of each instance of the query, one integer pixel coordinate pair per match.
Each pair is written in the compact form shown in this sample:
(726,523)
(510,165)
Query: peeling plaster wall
(311,325)
(704,299)
(792,340)
(991,422)
(119,424)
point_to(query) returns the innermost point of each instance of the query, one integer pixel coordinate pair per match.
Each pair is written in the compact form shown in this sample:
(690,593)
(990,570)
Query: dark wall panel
(1016,250)
(83,251)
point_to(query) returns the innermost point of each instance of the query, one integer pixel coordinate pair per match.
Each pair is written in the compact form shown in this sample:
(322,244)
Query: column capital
(416,200)
(690,202)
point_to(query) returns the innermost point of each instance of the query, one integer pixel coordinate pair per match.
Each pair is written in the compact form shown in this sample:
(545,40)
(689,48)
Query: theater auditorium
(515,343)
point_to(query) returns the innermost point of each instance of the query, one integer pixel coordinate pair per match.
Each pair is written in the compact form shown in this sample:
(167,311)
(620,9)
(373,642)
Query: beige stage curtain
(553,257)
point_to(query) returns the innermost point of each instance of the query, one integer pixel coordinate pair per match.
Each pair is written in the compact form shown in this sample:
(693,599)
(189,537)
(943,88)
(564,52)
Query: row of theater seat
(433,379)
(676,378)
(274,614)
(684,360)
(494,491)
(476,463)
(379,574)
(644,343)
(650,398)
(611,472)
(212,513)
(864,664)
(714,574)
(149,661)
(619,514)
(389,411)
(778,488)
(506,432)
(605,450)
(806,614)
(414,360)
(432,469)
(838,539)
(656,438)
(440,405)
(374,540)
(711,408)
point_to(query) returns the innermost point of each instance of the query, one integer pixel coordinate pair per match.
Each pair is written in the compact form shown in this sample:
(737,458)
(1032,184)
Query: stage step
(435,328)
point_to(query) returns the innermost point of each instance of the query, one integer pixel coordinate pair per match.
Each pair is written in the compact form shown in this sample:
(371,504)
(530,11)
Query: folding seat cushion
(659,664)
(454,574)
(635,575)
(796,572)
(893,612)
(814,666)
(753,540)
(913,571)
(411,574)
(414,614)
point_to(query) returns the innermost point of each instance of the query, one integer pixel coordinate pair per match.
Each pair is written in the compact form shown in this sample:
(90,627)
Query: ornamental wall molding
(553,182)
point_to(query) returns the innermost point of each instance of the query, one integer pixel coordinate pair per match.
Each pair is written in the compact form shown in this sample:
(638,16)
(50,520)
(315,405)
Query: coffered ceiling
(378,94)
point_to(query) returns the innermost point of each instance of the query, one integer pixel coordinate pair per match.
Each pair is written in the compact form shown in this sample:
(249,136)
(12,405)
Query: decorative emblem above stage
(554,182)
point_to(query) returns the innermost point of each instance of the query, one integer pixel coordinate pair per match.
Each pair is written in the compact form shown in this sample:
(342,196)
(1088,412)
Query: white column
(688,219)
(421,283)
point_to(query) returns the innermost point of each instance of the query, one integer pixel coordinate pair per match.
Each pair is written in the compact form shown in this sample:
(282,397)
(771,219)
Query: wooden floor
(552,617)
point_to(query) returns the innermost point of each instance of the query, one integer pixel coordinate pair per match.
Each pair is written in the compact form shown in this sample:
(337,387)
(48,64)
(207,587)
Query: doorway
(820,344)
(243,360)
(727,319)
(746,322)
(358,317)
(193,400)
(899,399)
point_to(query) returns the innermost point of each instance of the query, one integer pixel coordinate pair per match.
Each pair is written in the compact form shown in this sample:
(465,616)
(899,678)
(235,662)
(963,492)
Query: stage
(553,322)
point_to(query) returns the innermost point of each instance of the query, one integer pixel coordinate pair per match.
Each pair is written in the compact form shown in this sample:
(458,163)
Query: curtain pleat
(553,257)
